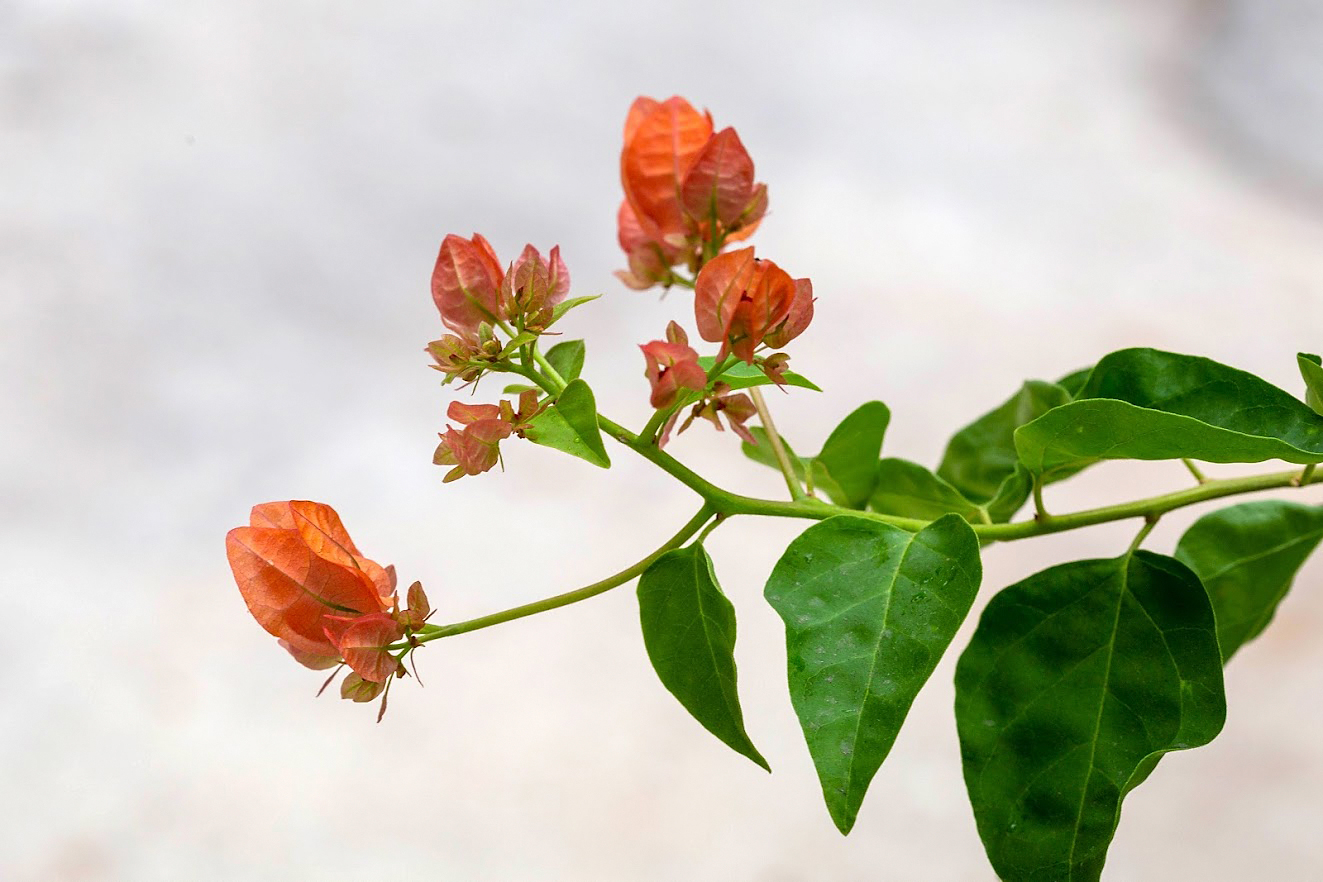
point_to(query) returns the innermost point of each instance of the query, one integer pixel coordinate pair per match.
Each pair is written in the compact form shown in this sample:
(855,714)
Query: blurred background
(217,225)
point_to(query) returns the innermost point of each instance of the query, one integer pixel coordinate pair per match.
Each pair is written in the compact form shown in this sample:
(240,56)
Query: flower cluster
(690,193)
(687,191)
(474,449)
(476,297)
(307,584)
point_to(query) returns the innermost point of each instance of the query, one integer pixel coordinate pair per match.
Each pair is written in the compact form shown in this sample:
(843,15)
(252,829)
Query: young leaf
(869,609)
(849,456)
(1146,404)
(567,358)
(742,376)
(1311,368)
(1075,683)
(908,489)
(689,632)
(570,425)
(981,457)
(1247,556)
(558,311)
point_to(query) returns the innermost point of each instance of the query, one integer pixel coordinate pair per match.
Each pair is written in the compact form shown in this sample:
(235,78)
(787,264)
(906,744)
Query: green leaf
(689,632)
(1247,557)
(518,340)
(980,459)
(849,456)
(570,425)
(869,609)
(1074,382)
(742,376)
(1146,404)
(1075,683)
(909,490)
(558,311)
(516,388)
(762,452)
(567,358)
(1311,368)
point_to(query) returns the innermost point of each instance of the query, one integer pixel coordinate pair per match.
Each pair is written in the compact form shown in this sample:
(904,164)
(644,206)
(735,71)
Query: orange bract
(662,141)
(301,575)
(739,300)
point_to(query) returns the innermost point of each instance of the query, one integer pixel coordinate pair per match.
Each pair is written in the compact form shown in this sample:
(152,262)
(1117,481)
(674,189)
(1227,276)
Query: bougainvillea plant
(1077,680)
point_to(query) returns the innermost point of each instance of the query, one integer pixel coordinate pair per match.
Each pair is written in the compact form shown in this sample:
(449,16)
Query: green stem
(1149,524)
(435,632)
(1307,475)
(1040,513)
(1194,470)
(774,439)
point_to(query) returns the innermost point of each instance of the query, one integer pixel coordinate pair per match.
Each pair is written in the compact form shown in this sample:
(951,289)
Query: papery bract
(466,284)
(474,449)
(739,299)
(301,576)
(797,320)
(535,284)
(662,142)
(363,646)
(719,188)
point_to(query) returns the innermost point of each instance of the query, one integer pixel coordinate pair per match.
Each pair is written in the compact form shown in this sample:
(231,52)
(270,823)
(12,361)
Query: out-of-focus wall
(217,222)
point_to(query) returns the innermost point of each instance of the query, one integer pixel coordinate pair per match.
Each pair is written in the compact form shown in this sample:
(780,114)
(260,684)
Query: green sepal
(570,425)
(689,632)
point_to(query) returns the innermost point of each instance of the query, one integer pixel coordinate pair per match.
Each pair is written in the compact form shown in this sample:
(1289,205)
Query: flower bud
(672,366)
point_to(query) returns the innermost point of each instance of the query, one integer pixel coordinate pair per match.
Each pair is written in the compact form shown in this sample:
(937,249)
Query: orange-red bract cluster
(470,288)
(687,190)
(672,365)
(306,583)
(474,448)
(742,302)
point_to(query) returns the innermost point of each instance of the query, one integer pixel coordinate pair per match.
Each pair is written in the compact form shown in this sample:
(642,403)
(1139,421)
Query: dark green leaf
(1146,404)
(1247,556)
(1076,681)
(742,376)
(689,631)
(909,490)
(869,609)
(1311,368)
(981,457)
(570,425)
(849,456)
(567,358)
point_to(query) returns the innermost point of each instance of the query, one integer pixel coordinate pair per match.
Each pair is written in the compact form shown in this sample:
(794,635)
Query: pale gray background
(217,222)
